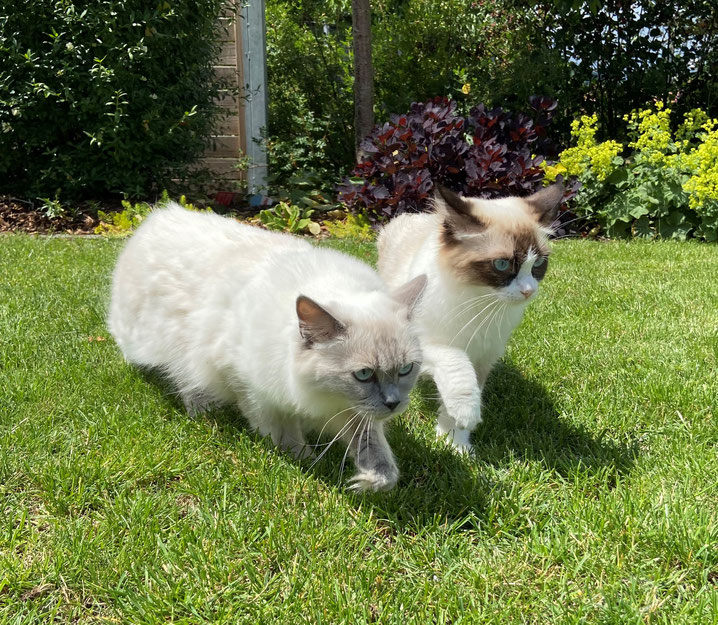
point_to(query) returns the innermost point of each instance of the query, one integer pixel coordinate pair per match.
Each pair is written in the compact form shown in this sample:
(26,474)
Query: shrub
(352,227)
(471,51)
(104,97)
(614,56)
(289,218)
(124,222)
(489,154)
(667,187)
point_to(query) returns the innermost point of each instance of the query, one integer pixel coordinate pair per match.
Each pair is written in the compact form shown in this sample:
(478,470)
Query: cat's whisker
(496,312)
(468,323)
(346,452)
(500,310)
(469,302)
(367,431)
(559,224)
(328,446)
(469,310)
(336,438)
(483,321)
(466,306)
(486,322)
(501,320)
(329,421)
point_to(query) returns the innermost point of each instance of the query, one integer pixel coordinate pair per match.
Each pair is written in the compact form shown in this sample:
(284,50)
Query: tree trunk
(363,73)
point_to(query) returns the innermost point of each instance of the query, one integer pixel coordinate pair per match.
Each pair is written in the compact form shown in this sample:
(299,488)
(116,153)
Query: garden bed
(16,216)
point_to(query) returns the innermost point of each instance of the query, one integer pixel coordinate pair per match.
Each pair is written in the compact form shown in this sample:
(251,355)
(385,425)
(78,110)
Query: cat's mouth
(385,412)
(519,298)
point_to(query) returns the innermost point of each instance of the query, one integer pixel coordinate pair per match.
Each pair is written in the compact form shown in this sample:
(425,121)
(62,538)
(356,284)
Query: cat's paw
(467,414)
(371,480)
(458,438)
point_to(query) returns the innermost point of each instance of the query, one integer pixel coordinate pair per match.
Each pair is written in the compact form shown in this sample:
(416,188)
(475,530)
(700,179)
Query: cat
(483,260)
(299,337)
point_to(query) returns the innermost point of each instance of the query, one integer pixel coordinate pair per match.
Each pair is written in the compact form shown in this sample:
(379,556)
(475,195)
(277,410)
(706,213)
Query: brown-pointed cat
(484,260)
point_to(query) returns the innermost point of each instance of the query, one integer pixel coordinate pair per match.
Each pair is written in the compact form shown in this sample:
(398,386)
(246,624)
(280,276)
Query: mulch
(20,216)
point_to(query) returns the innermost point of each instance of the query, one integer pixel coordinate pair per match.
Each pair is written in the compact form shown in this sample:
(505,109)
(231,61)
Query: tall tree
(363,73)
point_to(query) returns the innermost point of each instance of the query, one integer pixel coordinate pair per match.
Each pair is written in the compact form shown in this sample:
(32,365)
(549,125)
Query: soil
(19,216)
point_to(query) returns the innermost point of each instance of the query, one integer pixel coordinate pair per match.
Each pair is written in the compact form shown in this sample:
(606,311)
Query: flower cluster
(667,187)
(703,183)
(651,132)
(587,154)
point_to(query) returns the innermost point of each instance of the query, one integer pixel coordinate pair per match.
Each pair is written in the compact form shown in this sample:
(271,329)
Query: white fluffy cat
(299,337)
(483,260)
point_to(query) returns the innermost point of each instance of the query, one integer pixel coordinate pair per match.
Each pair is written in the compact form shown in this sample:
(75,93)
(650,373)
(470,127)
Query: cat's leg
(285,431)
(195,403)
(376,467)
(290,437)
(458,386)
(446,428)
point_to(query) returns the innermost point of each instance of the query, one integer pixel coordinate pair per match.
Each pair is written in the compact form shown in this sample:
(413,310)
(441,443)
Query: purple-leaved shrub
(490,153)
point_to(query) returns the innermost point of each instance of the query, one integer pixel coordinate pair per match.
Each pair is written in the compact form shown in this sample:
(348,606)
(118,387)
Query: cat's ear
(451,202)
(410,293)
(457,213)
(544,203)
(316,324)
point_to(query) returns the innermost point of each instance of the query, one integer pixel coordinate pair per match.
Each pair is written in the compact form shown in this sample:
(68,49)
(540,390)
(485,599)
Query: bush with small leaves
(104,98)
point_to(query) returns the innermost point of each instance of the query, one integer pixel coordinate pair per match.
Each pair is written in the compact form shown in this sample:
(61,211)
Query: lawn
(593,496)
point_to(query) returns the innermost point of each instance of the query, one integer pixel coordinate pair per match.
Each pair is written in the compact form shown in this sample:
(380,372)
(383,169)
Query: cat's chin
(380,416)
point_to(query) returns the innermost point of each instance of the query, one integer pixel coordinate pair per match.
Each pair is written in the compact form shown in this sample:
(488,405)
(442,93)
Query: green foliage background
(116,97)
(421,49)
(108,97)
(606,58)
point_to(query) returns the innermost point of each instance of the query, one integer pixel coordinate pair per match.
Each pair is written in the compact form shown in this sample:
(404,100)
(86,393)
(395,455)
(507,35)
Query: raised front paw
(466,413)
(457,438)
(373,480)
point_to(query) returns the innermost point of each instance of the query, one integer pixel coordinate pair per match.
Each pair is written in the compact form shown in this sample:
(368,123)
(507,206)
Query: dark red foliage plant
(490,153)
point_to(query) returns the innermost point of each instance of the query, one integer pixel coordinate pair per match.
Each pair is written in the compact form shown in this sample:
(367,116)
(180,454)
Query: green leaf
(617,176)
(642,228)
(676,218)
(638,211)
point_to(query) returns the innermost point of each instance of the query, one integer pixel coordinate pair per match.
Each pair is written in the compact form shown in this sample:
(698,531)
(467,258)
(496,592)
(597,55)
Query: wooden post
(254,64)
(242,61)
(363,73)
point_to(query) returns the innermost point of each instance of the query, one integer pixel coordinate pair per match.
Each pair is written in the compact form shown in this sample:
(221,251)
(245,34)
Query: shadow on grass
(522,421)
(437,485)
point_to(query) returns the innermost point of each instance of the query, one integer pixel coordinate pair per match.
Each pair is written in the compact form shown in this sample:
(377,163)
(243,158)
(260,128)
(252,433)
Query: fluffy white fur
(464,326)
(214,304)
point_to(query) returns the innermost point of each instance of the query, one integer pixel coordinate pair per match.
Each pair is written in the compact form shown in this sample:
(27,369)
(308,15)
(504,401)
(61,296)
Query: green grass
(592,498)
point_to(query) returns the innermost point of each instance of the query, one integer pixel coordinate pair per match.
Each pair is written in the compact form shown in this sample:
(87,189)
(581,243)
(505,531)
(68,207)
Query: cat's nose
(527,291)
(391,404)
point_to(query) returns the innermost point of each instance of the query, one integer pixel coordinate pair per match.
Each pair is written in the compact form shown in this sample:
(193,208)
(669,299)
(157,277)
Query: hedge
(103,98)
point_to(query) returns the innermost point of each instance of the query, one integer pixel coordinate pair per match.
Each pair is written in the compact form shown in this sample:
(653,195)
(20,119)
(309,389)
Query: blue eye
(364,375)
(406,369)
(539,261)
(501,264)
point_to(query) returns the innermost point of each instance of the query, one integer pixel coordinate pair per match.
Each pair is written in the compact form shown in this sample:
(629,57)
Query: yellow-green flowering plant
(124,222)
(667,186)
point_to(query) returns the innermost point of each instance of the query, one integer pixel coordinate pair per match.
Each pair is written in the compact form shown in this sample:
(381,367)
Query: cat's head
(500,244)
(364,353)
